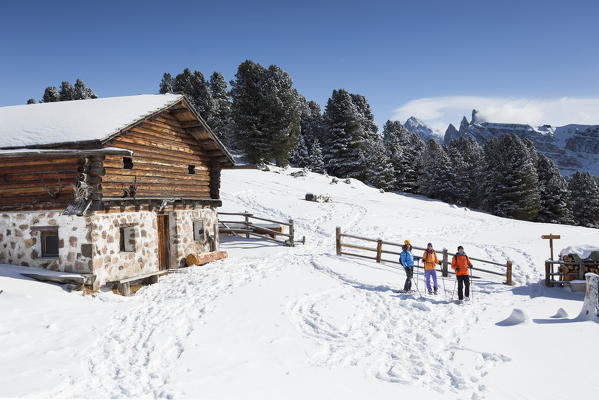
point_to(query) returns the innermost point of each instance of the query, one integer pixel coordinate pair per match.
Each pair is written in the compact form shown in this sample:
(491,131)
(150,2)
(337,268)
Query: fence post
(247,224)
(581,270)
(379,250)
(444,270)
(547,273)
(338,240)
(508,273)
(291,233)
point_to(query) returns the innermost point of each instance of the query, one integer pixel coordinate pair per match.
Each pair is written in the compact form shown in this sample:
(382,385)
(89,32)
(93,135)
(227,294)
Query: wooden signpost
(551,237)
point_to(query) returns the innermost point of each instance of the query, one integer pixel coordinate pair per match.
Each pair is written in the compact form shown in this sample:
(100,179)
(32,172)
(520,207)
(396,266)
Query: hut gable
(105,150)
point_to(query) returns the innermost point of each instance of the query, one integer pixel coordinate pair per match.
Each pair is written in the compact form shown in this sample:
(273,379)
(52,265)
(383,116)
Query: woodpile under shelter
(110,188)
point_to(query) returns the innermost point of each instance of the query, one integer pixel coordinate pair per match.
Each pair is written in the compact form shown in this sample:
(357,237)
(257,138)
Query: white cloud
(438,112)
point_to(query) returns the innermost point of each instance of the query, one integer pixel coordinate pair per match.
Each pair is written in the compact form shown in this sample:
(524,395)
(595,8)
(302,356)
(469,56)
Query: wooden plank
(161,134)
(41,160)
(270,220)
(156,179)
(261,229)
(357,247)
(359,237)
(48,176)
(163,145)
(143,164)
(158,152)
(163,241)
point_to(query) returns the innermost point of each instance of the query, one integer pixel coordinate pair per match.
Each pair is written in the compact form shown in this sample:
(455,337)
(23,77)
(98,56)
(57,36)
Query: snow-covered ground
(277,322)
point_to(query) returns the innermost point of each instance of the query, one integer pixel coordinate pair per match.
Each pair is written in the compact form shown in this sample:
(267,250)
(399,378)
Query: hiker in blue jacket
(407,260)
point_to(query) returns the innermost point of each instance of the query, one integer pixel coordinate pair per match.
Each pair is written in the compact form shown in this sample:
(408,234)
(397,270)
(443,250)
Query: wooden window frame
(125,247)
(127,162)
(197,237)
(44,234)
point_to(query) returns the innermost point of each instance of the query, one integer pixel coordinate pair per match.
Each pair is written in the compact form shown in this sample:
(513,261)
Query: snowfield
(273,322)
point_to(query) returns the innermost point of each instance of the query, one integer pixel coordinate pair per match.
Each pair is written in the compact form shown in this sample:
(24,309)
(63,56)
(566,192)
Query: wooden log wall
(40,182)
(162,153)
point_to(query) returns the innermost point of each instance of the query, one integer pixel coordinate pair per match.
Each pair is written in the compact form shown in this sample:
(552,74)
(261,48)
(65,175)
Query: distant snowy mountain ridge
(418,127)
(572,147)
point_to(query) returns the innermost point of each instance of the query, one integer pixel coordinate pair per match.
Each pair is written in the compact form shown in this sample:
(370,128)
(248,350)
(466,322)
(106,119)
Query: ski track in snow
(136,355)
(396,338)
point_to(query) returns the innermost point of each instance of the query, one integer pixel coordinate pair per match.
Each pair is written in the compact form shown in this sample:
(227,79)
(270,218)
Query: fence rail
(246,227)
(380,251)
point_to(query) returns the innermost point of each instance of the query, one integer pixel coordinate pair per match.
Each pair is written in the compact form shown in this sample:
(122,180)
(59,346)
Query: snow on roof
(77,120)
(59,152)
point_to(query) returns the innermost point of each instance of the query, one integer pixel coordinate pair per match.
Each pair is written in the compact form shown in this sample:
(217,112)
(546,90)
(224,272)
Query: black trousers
(409,273)
(463,280)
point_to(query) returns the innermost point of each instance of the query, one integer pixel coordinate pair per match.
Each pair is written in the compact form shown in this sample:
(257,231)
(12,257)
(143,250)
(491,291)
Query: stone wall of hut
(92,244)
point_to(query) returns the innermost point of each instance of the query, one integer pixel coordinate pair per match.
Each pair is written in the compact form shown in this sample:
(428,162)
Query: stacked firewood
(574,268)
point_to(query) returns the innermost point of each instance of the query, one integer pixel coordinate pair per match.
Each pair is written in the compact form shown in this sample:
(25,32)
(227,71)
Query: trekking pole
(444,290)
(416,280)
(454,286)
(471,285)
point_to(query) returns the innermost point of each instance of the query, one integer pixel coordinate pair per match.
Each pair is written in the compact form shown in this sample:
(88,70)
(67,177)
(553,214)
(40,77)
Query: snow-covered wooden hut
(111,188)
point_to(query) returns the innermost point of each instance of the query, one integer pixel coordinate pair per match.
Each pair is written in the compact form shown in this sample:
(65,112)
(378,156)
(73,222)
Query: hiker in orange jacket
(460,264)
(430,260)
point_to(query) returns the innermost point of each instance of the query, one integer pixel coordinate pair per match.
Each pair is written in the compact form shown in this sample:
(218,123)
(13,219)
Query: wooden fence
(379,250)
(247,228)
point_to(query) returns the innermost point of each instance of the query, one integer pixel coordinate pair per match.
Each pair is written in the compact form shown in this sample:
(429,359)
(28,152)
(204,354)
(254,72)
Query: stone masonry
(91,244)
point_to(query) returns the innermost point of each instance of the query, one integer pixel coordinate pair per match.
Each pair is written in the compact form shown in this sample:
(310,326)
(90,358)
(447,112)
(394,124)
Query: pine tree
(221,120)
(379,171)
(166,84)
(67,92)
(51,95)
(584,195)
(350,127)
(553,190)
(31,101)
(316,160)
(194,86)
(202,96)
(436,175)
(312,122)
(81,92)
(511,182)
(467,160)
(404,149)
(266,112)
(300,156)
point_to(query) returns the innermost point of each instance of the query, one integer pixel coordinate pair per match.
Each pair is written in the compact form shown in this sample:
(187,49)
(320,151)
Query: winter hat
(406,242)
(430,244)
(460,247)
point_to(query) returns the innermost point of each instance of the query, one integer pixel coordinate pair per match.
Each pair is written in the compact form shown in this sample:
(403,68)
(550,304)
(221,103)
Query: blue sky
(429,58)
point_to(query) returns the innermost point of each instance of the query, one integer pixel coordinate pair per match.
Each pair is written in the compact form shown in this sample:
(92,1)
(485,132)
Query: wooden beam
(190,124)
(180,110)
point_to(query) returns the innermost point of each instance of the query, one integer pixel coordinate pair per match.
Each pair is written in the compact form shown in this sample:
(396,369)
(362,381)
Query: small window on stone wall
(127,163)
(198,230)
(49,239)
(127,238)
(191,168)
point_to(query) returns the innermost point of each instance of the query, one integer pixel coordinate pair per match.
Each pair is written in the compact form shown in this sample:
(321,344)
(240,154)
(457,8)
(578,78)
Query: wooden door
(163,241)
